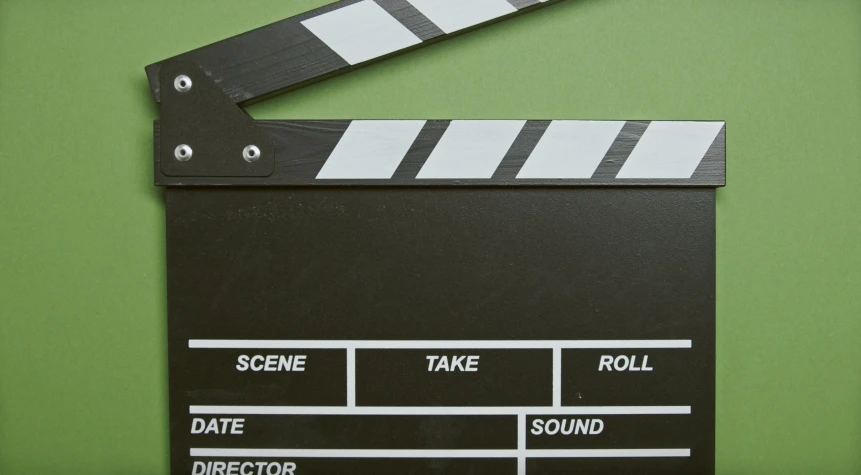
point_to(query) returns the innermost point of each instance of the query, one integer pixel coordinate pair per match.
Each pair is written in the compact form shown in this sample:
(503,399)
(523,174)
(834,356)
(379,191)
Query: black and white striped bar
(488,152)
(335,39)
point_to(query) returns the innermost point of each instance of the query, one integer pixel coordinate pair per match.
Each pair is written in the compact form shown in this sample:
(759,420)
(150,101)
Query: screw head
(182,83)
(251,153)
(182,153)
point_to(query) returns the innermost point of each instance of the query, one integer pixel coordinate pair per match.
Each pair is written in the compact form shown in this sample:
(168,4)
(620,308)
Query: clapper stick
(335,39)
(428,296)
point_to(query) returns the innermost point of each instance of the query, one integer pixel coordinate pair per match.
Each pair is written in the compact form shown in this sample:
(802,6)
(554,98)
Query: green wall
(82,300)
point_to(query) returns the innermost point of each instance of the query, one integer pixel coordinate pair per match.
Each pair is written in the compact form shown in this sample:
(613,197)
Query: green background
(82,277)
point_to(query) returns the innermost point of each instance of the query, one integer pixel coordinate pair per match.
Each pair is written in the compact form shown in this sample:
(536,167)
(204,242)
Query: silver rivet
(182,83)
(182,153)
(251,153)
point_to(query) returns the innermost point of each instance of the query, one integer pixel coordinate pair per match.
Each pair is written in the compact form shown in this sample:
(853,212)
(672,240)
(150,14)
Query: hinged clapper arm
(335,39)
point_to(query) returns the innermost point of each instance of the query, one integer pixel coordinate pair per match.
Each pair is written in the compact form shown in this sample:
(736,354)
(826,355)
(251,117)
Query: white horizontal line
(438,344)
(373,453)
(437,411)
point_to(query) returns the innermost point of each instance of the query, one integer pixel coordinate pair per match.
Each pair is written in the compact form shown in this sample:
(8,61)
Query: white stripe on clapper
(670,150)
(471,149)
(454,15)
(371,149)
(361,32)
(571,149)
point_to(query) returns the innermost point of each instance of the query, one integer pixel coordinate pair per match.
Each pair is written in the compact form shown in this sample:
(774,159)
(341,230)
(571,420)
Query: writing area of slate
(428,296)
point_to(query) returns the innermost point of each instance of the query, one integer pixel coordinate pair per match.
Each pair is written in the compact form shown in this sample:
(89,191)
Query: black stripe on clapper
(520,150)
(521,4)
(302,147)
(282,51)
(421,149)
(712,168)
(411,18)
(621,149)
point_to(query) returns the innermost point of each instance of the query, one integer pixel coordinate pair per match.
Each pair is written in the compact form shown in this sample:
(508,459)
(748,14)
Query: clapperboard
(428,296)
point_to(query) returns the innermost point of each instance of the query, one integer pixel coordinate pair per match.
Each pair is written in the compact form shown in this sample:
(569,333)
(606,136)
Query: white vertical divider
(557,377)
(521,444)
(351,377)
